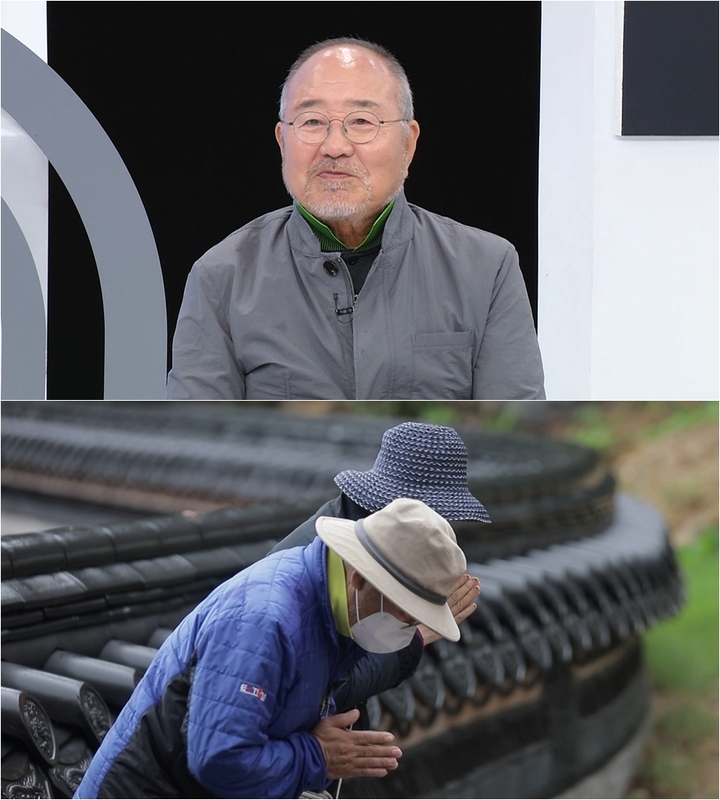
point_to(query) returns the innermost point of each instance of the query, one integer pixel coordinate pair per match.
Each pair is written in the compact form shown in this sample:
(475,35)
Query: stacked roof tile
(544,687)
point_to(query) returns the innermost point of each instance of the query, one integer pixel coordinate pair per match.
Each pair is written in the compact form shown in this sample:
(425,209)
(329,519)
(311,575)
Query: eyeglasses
(360,127)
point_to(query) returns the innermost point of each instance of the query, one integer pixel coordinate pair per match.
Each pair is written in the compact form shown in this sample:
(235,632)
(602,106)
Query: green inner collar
(337,589)
(330,242)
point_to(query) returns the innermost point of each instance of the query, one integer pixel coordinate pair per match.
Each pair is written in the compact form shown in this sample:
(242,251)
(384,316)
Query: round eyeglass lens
(359,126)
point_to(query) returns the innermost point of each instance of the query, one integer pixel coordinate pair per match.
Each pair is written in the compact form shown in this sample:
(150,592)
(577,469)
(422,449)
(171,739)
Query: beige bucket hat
(409,553)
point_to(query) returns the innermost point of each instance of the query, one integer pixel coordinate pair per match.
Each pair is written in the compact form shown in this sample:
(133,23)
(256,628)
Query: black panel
(76,327)
(670,69)
(172,84)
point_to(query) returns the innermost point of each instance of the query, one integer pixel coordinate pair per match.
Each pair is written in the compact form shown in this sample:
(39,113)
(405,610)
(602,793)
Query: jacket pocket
(443,365)
(268,382)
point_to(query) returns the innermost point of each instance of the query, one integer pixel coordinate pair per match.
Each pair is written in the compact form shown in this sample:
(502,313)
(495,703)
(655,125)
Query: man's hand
(353,754)
(461,604)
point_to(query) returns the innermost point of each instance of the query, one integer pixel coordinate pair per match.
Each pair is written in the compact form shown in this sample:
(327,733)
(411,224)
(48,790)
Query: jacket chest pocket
(443,365)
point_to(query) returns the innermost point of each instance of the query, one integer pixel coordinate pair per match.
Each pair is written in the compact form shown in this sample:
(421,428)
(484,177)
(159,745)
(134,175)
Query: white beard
(337,207)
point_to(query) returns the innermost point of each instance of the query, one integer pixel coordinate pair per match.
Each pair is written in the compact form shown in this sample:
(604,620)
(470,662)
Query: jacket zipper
(325,706)
(341,312)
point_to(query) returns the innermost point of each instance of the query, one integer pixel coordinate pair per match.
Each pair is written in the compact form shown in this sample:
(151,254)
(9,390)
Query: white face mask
(381,632)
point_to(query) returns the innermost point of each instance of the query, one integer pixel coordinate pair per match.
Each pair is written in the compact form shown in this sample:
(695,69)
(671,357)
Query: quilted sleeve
(375,673)
(244,665)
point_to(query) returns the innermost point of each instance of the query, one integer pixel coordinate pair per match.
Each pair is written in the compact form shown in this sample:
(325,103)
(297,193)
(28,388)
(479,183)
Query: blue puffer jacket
(227,706)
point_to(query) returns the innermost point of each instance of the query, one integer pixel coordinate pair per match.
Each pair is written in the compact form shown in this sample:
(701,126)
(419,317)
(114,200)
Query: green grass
(682,417)
(681,655)
(602,425)
(592,427)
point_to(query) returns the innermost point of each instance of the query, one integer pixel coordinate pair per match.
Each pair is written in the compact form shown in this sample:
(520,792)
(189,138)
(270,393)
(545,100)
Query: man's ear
(356,580)
(279,136)
(411,140)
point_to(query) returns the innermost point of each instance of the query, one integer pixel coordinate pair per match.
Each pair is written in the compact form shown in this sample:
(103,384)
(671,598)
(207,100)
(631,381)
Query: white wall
(26,20)
(24,166)
(628,233)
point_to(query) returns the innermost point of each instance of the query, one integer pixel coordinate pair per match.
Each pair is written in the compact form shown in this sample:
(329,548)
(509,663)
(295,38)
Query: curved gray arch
(23,316)
(113,215)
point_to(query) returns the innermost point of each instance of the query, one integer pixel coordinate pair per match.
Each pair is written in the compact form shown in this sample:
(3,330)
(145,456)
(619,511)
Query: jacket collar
(316,558)
(398,229)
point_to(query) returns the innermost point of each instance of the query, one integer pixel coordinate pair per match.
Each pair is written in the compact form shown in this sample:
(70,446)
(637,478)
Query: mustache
(336,166)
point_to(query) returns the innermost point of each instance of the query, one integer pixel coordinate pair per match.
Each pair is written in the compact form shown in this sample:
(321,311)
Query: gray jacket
(443,314)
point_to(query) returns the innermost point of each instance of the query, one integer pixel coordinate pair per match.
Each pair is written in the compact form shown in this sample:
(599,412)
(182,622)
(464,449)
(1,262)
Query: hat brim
(339,536)
(373,492)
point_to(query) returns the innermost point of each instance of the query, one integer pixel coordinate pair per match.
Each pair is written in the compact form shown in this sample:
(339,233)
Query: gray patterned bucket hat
(421,461)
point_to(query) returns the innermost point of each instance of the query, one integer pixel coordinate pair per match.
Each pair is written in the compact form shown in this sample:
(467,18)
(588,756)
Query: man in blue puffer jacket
(238,701)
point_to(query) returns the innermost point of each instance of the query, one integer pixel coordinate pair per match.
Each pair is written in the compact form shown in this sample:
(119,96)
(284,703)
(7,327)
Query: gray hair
(405,98)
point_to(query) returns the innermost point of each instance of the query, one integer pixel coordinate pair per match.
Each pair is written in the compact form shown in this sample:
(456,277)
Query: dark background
(172,84)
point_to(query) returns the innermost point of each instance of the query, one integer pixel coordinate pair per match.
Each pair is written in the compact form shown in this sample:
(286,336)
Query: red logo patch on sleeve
(255,691)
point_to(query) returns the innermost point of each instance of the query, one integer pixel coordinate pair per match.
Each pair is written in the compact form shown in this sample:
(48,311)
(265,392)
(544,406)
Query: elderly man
(238,702)
(352,293)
